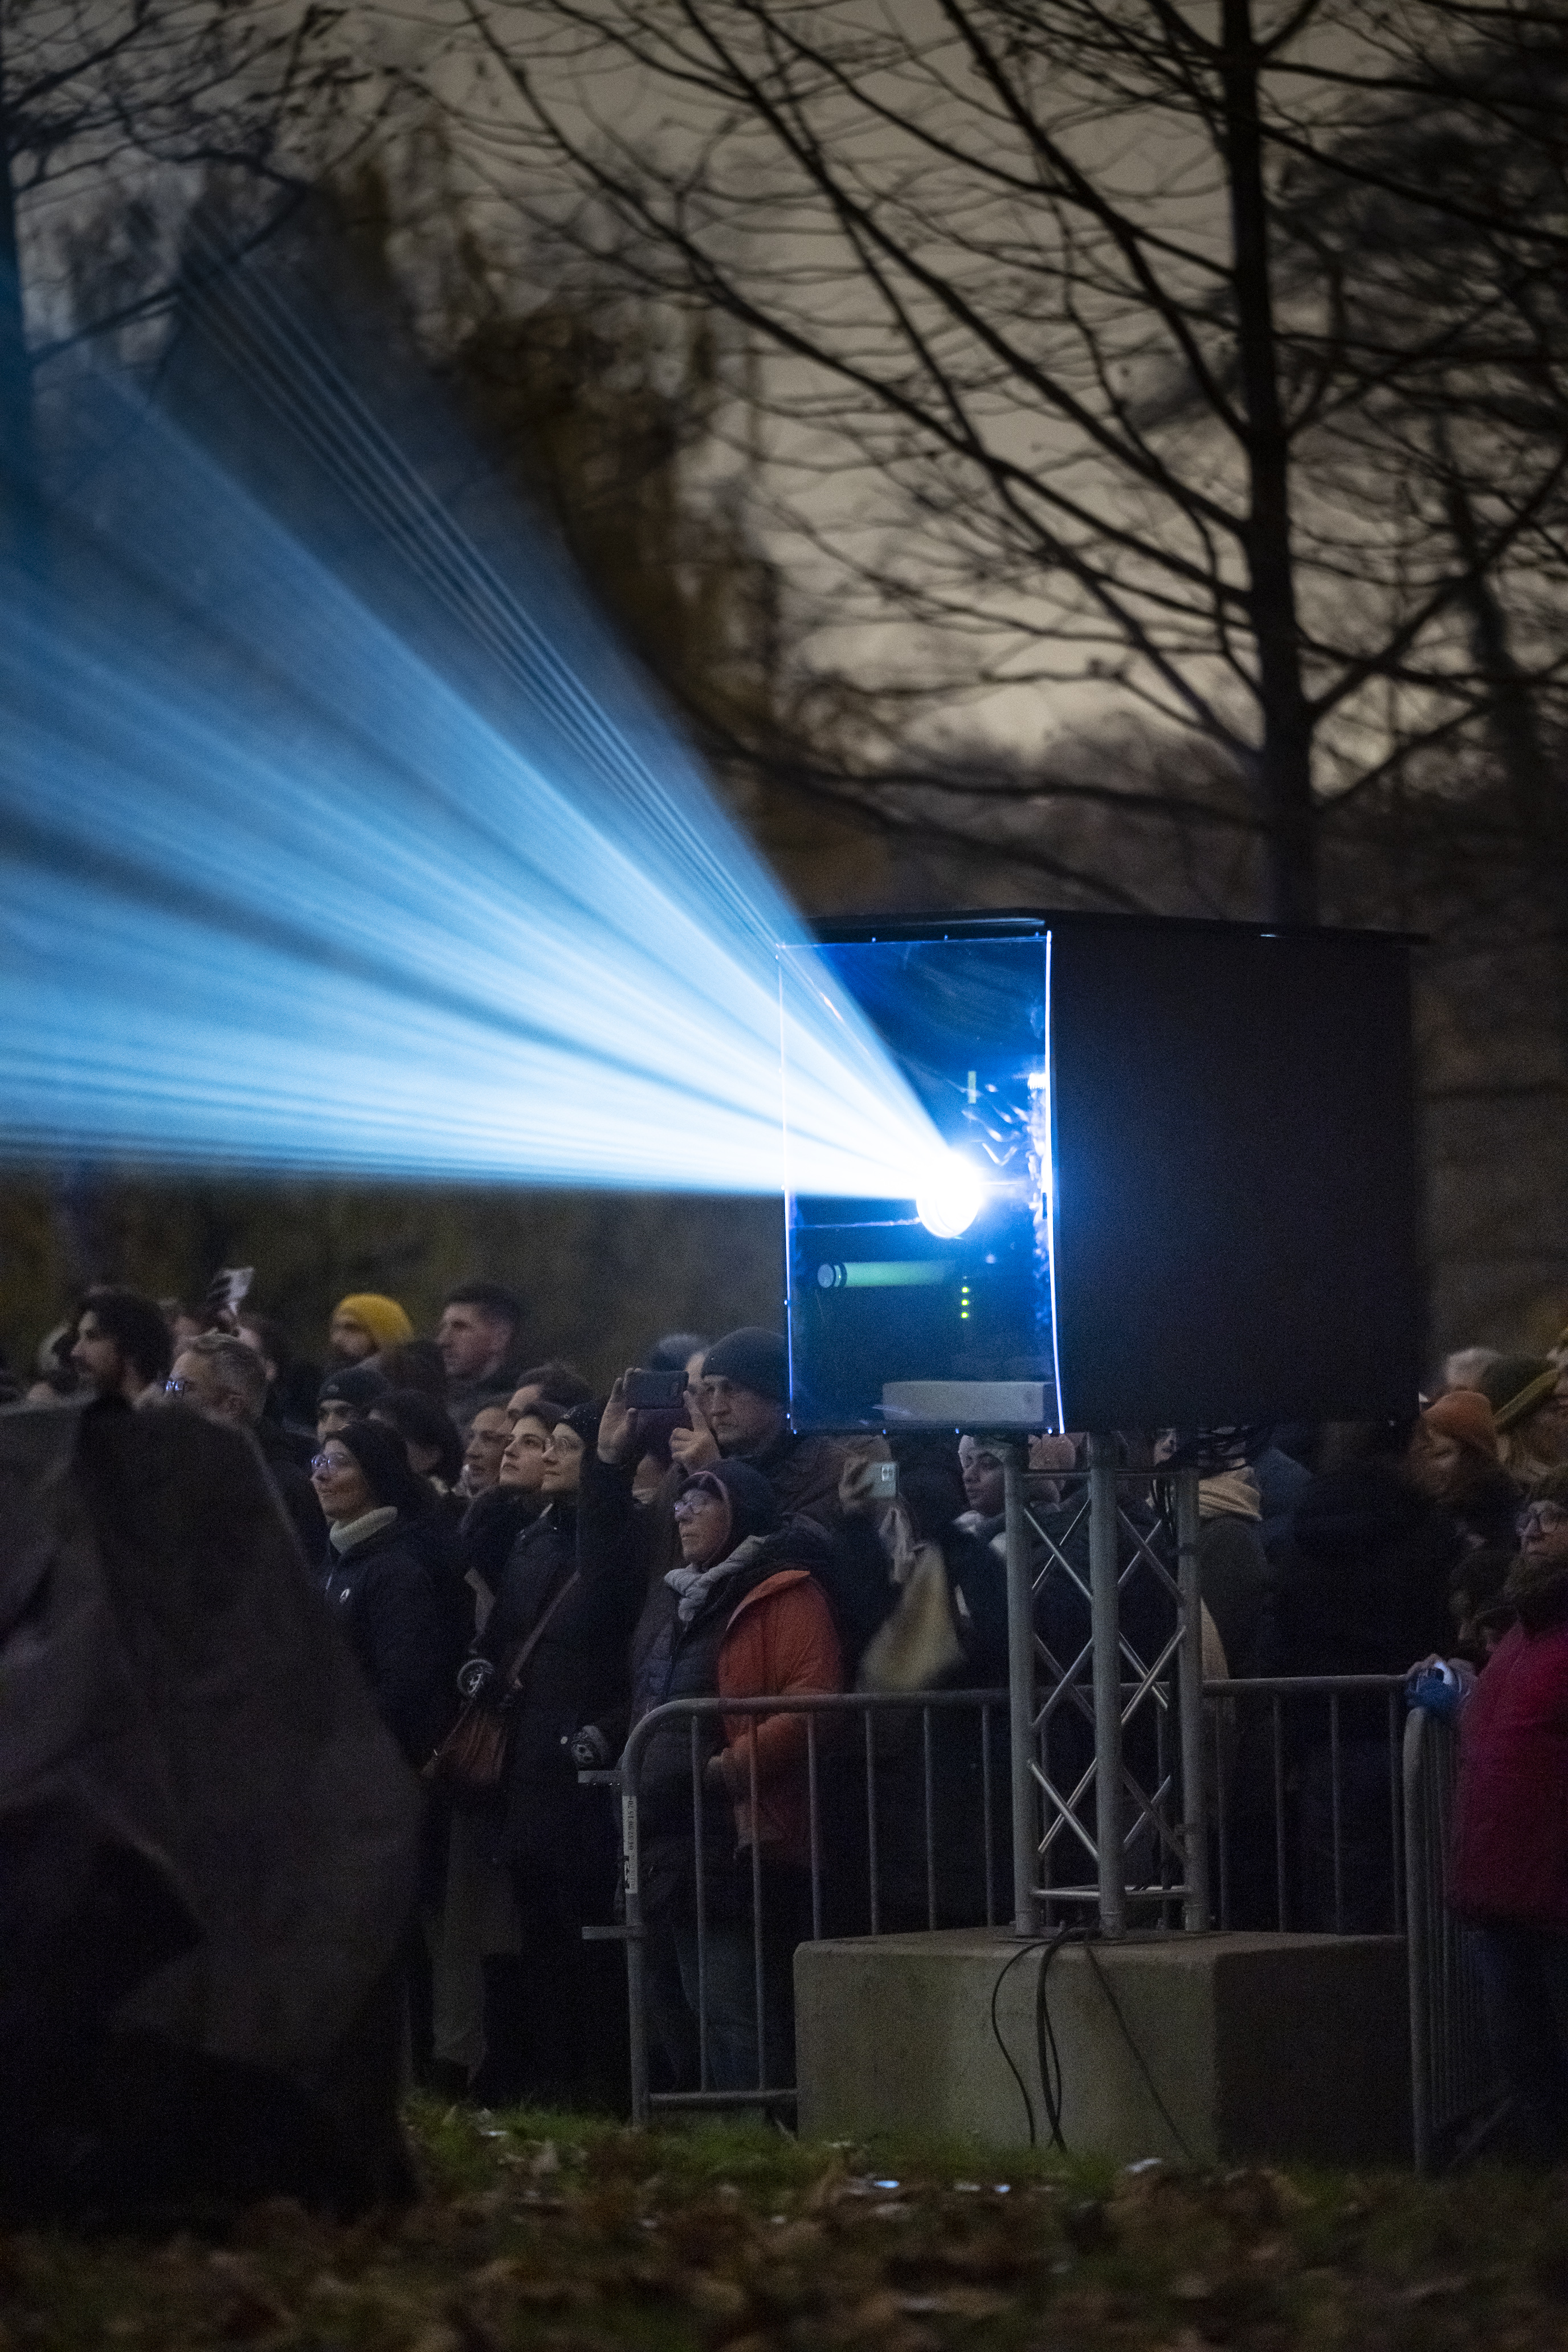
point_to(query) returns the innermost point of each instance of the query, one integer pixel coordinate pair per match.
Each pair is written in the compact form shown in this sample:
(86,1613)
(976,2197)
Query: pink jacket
(1509,1857)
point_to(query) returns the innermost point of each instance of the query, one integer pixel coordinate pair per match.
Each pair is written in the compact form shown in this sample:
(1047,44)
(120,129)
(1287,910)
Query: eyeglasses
(1542,1516)
(696,1498)
(177,1388)
(329,1462)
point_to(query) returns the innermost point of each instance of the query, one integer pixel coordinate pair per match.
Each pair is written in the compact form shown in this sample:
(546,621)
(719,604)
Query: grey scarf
(345,1533)
(695,1586)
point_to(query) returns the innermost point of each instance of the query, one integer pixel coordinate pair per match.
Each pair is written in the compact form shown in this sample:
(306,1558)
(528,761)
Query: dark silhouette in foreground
(208,1844)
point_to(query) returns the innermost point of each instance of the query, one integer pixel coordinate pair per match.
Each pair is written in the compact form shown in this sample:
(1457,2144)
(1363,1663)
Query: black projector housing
(1202,1143)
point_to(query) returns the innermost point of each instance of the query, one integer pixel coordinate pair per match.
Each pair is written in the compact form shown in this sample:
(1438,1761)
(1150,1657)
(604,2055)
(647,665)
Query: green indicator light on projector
(882,1273)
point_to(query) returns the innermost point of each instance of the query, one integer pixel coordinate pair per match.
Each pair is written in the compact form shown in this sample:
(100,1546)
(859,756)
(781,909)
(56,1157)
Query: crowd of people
(503,1545)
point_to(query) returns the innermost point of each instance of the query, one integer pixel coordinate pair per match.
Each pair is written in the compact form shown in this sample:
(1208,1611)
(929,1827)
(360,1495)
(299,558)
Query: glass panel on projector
(935,1309)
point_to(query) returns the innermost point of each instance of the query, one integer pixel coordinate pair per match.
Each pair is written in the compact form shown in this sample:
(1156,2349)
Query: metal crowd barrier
(1293,1850)
(1312,1825)
(1454,2092)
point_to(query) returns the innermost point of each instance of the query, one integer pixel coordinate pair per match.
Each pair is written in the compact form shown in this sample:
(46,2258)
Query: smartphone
(225,1293)
(658,1392)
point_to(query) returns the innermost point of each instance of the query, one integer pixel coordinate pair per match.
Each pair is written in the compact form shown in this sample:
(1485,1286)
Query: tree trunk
(21,517)
(1284,776)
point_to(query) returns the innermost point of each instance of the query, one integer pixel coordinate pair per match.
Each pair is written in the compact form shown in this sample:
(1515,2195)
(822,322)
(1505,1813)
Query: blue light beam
(279,891)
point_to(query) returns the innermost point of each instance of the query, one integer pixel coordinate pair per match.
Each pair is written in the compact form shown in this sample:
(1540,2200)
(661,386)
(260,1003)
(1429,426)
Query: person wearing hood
(556,2016)
(1509,1868)
(376,1586)
(740,1412)
(749,1620)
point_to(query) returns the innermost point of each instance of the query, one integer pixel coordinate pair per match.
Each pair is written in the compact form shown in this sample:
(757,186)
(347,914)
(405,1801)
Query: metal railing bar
(987,1826)
(711,2100)
(1222,1791)
(929,1817)
(1281,1872)
(871,1830)
(1298,1686)
(814,1809)
(702,1845)
(1334,1802)
(1396,1816)
(758,1962)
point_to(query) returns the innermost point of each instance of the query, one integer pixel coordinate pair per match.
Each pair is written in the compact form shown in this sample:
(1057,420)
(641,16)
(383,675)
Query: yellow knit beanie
(381,1318)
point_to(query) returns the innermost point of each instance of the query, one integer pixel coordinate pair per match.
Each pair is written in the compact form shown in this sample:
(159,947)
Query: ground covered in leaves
(574,2237)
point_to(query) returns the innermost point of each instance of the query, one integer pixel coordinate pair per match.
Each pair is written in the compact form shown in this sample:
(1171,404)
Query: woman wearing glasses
(1509,1873)
(746,1618)
(375,1585)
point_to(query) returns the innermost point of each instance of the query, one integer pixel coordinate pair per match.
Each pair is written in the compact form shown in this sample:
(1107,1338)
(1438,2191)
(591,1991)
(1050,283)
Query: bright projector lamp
(950,1197)
(1174,1184)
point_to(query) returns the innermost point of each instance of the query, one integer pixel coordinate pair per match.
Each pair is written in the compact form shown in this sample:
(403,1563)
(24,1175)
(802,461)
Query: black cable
(1022,1953)
(1046,2051)
(1138,2057)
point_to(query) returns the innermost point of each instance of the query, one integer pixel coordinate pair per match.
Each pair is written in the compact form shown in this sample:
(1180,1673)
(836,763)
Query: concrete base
(1260,2048)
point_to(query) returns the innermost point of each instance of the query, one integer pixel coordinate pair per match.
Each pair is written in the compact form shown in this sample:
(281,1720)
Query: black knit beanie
(754,1359)
(581,1419)
(384,1461)
(358,1385)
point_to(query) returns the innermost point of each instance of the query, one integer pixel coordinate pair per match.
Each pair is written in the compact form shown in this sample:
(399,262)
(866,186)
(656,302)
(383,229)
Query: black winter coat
(490,1526)
(1362,1586)
(576,1674)
(385,1604)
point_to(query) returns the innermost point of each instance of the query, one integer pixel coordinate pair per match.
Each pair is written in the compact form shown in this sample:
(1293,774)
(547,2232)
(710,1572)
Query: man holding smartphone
(740,1412)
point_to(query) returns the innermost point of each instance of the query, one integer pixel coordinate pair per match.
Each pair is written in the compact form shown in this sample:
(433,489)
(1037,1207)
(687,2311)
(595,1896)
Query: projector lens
(950,1197)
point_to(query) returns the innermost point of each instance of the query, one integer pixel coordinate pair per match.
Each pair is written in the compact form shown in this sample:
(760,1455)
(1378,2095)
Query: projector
(1176,1181)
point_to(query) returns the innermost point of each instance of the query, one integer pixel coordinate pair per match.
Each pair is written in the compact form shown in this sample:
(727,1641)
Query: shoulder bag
(472,1758)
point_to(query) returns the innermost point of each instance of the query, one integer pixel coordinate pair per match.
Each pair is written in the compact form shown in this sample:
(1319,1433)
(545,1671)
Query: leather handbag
(472,1758)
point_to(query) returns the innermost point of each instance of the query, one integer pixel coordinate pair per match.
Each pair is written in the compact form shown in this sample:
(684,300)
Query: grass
(576,2236)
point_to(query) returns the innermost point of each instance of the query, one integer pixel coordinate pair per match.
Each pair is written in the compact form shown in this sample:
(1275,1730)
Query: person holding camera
(740,1412)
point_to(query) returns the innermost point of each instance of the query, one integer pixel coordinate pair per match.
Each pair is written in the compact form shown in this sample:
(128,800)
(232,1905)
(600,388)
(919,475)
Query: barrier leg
(1104,1555)
(1190,1702)
(1021,1696)
(636,1963)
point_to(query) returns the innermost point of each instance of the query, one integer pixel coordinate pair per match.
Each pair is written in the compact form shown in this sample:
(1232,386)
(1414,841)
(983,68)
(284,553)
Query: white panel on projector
(968,1404)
